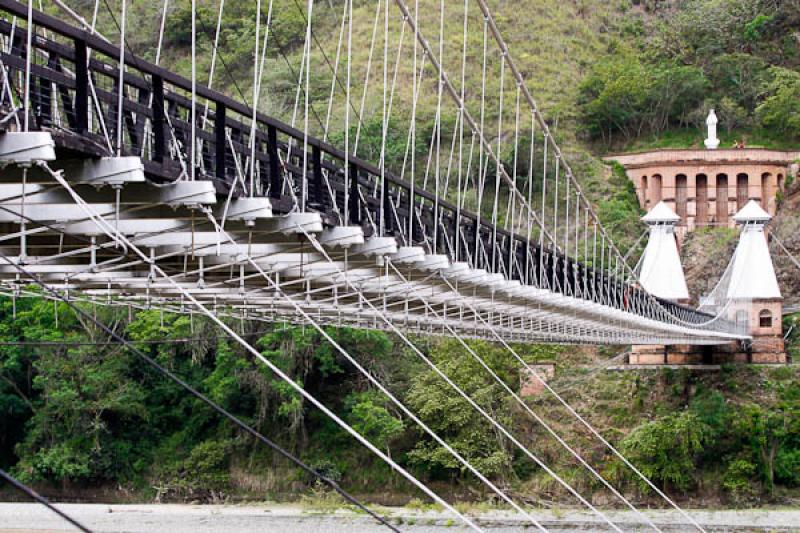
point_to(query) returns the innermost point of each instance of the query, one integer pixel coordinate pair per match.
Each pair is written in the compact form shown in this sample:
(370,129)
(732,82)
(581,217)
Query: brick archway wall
(659,175)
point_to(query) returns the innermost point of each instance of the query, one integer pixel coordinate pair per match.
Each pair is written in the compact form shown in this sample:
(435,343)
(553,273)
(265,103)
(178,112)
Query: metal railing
(75,86)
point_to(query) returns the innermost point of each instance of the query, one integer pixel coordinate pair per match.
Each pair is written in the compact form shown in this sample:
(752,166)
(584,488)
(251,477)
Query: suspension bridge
(124,183)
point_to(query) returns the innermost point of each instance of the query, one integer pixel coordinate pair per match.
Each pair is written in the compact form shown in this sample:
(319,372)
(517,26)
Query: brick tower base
(763,350)
(763,320)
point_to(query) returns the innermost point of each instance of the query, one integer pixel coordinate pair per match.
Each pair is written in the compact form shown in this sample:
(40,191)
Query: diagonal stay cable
(584,422)
(450,449)
(32,494)
(197,394)
(501,428)
(113,233)
(535,416)
(386,392)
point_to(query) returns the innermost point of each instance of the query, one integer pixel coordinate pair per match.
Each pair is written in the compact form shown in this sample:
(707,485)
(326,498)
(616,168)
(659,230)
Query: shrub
(666,449)
(204,472)
(787,467)
(450,416)
(326,468)
(369,416)
(738,479)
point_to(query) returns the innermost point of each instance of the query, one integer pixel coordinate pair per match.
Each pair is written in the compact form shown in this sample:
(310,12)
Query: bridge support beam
(26,147)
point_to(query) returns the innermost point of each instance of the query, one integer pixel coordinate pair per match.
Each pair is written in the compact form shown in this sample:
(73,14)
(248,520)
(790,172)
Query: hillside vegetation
(88,420)
(676,59)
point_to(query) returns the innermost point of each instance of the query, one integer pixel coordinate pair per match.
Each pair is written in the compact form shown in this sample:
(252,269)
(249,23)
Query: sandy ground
(32,518)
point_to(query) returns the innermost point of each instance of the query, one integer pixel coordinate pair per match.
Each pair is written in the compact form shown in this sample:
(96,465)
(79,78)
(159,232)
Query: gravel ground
(32,518)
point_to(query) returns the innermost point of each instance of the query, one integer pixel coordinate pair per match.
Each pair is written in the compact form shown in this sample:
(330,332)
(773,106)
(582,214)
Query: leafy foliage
(739,57)
(369,416)
(623,94)
(781,106)
(667,449)
(96,415)
(451,416)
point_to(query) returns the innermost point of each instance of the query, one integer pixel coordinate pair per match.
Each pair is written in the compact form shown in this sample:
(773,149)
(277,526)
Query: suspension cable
(196,393)
(456,388)
(156,269)
(583,421)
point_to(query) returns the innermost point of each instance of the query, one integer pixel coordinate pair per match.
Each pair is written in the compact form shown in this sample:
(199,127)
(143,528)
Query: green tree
(625,95)
(780,109)
(23,319)
(787,466)
(368,415)
(767,431)
(731,114)
(740,77)
(666,450)
(80,427)
(451,417)
(613,97)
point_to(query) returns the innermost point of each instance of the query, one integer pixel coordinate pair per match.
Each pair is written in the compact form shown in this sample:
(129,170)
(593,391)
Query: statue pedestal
(711,144)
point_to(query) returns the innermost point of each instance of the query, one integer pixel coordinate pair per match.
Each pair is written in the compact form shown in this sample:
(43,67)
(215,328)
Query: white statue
(711,141)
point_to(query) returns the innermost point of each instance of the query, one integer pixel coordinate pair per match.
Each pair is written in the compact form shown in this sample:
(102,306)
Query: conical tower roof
(752,212)
(659,214)
(753,275)
(661,273)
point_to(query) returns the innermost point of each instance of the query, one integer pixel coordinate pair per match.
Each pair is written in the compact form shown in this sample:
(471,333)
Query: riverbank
(176,518)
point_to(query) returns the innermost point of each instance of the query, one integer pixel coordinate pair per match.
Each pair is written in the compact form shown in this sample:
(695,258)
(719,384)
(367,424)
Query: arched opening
(680,196)
(701,195)
(722,199)
(655,189)
(767,190)
(643,192)
(766,186)
(765,318)
(742,193)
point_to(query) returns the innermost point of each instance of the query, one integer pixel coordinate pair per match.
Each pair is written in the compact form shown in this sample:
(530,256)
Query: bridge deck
(527,290)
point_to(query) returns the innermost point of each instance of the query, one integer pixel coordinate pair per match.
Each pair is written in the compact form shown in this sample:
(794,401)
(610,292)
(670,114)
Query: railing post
(316,161)
(274,169)
(159,138)
(526,257)
(477,233)
(386,207)
(43,93)
(81,105)
(220,143)
(354,207)
(456,242)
